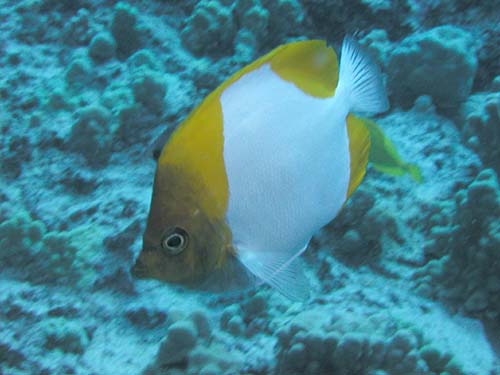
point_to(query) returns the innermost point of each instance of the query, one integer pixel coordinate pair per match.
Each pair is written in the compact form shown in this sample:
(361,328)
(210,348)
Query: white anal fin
(283,272)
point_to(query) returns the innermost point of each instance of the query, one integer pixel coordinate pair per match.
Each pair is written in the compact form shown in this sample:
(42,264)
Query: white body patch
(287,161)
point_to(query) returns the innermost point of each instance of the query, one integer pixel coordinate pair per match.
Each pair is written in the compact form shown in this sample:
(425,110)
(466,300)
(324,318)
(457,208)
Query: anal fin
(279,270)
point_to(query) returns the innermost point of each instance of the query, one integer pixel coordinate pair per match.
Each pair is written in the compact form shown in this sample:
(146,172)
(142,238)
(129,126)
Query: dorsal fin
(359,150)
(311,65)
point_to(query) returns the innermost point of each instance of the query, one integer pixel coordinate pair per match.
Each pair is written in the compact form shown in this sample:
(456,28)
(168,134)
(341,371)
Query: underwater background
(406,279)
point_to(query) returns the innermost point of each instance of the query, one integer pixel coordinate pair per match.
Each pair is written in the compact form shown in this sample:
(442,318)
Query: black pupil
(174,241)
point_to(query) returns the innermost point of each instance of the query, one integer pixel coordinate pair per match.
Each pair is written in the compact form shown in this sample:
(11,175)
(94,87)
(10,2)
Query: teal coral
(418,67)
(216,28)
(149,89)
(102,47)
(65,335)
(91,134)
(189,344)
(464,252)
(343,347)
(210,29)
(41,256)
(125,30)
(481,128)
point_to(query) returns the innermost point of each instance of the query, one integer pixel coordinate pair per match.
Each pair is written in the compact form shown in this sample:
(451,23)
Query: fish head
(183,243)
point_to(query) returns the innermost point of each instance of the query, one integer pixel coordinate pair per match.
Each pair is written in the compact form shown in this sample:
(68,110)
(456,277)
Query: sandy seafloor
(405,281)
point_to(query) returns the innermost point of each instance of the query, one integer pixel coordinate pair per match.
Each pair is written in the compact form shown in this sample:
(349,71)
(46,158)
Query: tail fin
(360,80)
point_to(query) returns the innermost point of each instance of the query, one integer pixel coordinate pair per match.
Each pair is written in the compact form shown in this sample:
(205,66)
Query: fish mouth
(138,270)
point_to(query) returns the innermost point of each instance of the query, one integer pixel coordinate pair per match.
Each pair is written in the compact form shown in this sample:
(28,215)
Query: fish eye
(175,241)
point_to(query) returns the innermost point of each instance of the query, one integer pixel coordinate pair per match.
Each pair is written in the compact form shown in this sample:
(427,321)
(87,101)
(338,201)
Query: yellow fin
(311,65)
(385,157)
(359,149)
(415,173)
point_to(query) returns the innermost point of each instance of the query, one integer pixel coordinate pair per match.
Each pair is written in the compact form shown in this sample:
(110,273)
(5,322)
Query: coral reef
(41,256)
(149,90)
(125,30)
(210,29)
(450,83)
(64,335)
(358,233)
(189,347)
(91,135)
(404,281)
(245,26)
(481,128)
(345,346)
(378,45)
(463,252)
(102,47)
(17,152)
(332,19)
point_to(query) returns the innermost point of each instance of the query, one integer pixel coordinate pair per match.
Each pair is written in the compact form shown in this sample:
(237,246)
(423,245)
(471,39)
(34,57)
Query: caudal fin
(360,81)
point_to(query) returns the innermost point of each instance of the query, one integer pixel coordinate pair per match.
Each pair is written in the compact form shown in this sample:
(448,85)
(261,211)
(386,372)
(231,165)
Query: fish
(384,156)
(266,160)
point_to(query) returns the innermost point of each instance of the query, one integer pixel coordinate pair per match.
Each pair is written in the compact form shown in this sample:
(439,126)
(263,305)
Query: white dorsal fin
(280,270)
(360,80)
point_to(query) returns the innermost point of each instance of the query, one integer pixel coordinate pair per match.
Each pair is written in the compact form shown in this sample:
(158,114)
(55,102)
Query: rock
(102,47)
(78,30)
(433,358)
(10,356)
(145,317)
(149,89)
(349,350)
(477,301)
(124,29)
(227,314)
(210,29)
(296,356)
(255,306)
(481,127)
(91,134)
(404,340)
(493,284)
(65,335)
(180,340)
(143,59)
(446,65)
(202,323)
(78,73)
(122,241)
(377,43)
(423,104)
(235,325)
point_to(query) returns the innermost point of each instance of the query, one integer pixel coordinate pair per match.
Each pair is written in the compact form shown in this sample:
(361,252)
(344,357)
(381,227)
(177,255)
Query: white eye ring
(175,241)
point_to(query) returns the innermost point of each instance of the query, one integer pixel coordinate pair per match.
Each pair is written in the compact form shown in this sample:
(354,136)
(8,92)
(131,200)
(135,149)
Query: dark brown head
(182,243)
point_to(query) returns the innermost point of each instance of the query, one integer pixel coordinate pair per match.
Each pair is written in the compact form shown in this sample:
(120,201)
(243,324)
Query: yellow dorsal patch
(359,149)
(197,144)
(310,65)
